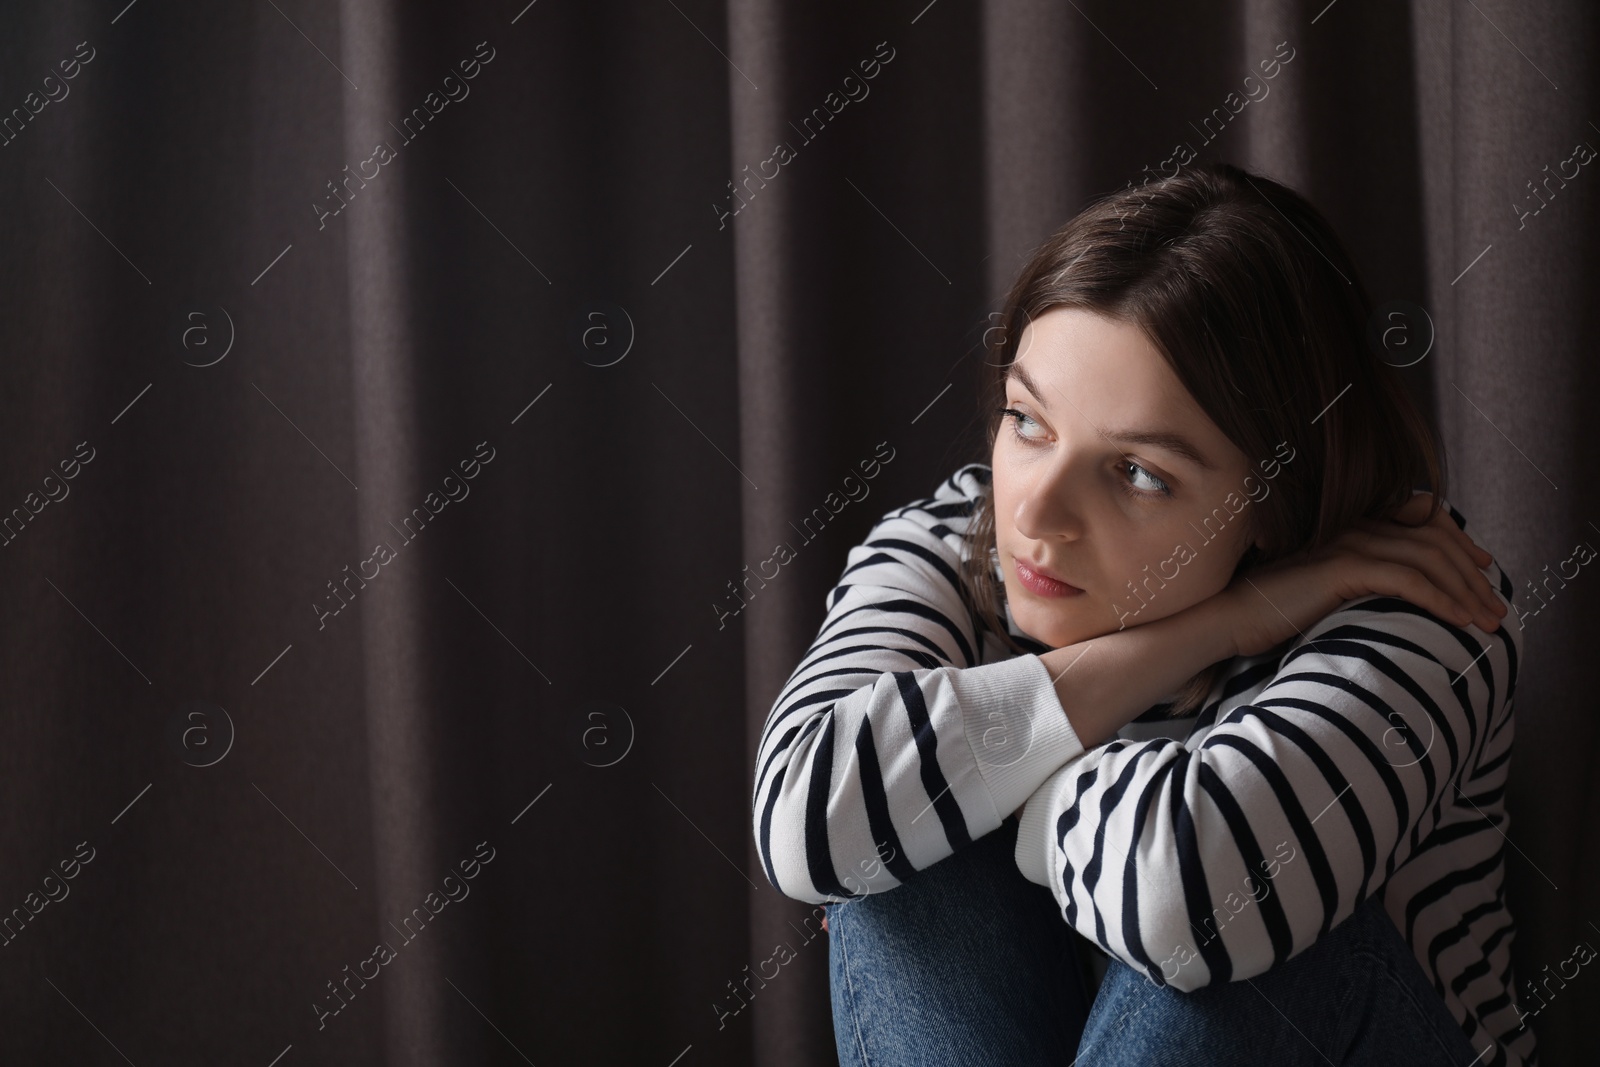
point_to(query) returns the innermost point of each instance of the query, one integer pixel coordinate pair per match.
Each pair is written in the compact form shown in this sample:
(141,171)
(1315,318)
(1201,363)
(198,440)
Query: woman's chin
(1049,628)
(1059,628)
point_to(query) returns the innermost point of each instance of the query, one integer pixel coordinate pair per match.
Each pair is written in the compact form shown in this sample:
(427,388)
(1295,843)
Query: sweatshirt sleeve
(1214,859)
(890,746)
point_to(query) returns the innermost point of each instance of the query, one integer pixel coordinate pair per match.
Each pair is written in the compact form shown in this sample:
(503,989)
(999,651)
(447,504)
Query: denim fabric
(970,963)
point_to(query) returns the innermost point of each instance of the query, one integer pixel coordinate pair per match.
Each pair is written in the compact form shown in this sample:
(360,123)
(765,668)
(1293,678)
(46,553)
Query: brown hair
(1248,295)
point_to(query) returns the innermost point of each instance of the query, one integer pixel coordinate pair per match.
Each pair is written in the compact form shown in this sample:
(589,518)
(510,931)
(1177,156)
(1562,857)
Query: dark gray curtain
(374,690)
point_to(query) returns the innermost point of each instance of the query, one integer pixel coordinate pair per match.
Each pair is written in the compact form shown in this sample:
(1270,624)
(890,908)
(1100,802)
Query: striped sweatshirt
(1367,756)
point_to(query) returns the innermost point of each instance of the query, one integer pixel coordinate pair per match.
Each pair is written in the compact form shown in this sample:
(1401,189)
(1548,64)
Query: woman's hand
(1434,566)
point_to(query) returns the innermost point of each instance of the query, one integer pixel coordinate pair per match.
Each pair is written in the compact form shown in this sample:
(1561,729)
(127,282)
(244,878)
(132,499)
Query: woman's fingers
(1387,577)
(1416,509)
(1477,558)
(1441,525)
(1429,564)
(1472,575)
(1447,525)
(1454,571)
(1438,560)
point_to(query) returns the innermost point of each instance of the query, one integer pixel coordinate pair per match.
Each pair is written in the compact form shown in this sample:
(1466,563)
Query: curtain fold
(386,347)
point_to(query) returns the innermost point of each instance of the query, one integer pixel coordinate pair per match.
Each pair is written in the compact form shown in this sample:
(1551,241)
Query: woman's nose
(1050,505)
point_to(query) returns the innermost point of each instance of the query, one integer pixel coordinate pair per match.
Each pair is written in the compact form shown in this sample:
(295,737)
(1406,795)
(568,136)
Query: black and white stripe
(1368,756)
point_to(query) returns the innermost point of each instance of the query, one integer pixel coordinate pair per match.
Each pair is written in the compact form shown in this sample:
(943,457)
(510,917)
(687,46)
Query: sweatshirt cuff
(1035,839)
(1016,726)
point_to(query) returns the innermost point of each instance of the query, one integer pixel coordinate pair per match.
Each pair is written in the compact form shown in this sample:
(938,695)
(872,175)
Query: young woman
(1197,670)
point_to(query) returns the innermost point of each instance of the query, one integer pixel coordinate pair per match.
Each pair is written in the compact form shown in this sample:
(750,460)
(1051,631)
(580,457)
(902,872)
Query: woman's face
(1092,484)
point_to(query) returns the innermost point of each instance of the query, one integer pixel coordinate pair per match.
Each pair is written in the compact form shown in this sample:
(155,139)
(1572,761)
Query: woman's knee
(966,962)
(1354,996)
(1136,1021)
(972,898)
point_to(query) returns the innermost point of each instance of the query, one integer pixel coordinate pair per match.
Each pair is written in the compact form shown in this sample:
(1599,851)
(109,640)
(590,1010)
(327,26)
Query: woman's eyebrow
(1016,371)
(1175,443)
(1172,442)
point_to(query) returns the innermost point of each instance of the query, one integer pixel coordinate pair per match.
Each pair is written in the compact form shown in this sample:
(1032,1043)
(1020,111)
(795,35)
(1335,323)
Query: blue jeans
(970,963)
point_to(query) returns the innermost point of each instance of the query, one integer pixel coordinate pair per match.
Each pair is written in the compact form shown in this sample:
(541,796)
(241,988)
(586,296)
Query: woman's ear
(1253,549)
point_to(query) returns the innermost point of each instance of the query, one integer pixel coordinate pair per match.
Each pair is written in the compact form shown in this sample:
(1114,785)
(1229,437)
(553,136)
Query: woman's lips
(1042,584)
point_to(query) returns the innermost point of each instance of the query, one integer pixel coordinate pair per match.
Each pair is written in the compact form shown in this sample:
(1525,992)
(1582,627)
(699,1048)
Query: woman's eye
(1156,485)
(1018,418)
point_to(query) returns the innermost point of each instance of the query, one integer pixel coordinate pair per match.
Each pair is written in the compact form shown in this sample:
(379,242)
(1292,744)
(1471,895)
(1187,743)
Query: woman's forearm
(1106,682)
